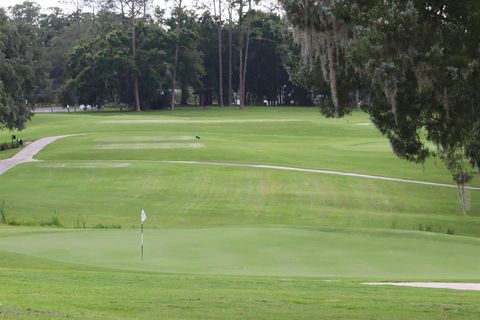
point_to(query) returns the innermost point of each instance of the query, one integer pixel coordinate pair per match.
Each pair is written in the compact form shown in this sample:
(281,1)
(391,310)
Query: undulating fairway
(229,241)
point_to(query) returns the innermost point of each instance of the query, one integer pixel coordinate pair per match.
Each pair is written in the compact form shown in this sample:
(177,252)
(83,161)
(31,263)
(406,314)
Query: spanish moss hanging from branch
(322,38)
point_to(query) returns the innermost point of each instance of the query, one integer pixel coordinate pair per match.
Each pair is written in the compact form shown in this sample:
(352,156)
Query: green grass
(193,195)
(260,251)
(80,294)
(291,136)
(229,242)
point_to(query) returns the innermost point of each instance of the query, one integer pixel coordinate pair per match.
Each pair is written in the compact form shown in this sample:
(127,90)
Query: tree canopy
(22,68)
(416,61)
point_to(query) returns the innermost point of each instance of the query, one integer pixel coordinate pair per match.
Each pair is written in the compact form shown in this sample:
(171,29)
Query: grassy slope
(308,141)
(225,221)
(192,195)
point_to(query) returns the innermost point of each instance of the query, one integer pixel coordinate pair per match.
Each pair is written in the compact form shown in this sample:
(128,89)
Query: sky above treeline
(68,6)
(43,3)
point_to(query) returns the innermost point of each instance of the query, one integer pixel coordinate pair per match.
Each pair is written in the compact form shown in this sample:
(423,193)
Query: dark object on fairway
(197,137)
(20,142)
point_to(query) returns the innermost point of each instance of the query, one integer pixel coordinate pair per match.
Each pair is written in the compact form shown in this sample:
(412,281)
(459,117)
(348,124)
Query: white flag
(143,216)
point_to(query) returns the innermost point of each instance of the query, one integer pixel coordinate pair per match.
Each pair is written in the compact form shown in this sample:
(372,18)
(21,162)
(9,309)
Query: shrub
(81,223)
(425,227)
(3,216)
(393,225)
(106,226)
(54,221)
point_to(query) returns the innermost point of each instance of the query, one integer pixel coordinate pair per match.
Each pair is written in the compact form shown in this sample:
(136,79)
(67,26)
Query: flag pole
(143,217)
(142,238)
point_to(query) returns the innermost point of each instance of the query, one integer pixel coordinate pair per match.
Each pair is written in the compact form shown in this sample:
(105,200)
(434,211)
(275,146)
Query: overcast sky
(57,3)
(43,3)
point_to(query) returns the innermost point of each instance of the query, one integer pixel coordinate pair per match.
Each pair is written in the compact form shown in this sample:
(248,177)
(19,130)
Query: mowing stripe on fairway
(26,155)
(338,173)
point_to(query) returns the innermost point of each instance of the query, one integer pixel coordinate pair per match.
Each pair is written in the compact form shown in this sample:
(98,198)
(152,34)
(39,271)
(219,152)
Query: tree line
(131,53)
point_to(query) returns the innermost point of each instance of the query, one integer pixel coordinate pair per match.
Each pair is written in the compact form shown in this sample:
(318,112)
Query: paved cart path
(338,173)
(27,153)
(434,285)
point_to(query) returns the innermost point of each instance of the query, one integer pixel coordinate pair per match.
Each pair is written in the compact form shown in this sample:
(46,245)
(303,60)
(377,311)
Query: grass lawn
(259,251)
(229,242)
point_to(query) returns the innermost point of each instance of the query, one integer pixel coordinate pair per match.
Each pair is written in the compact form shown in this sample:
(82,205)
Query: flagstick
(142,241)
(143,217)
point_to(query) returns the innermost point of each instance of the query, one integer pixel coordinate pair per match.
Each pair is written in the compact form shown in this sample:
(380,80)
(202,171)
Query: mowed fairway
(226,242)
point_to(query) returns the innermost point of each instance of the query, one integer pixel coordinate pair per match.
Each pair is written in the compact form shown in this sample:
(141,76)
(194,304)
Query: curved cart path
(338,173)
(27,153)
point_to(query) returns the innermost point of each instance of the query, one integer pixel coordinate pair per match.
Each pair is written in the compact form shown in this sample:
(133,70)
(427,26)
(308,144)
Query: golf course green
(252,214)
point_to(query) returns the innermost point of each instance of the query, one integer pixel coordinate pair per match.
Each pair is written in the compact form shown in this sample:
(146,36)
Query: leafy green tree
(267,78)
(22,67)
(100,70)
(208,46)
(419,62)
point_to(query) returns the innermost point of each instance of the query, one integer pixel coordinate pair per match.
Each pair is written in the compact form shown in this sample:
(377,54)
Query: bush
(81,223)
(3,215)
(11,145)
(54,221)
(425,227)
(106,226)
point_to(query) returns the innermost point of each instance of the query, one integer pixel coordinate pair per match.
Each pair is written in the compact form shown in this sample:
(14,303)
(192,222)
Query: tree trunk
(94,22)
(333,78)
(122,10)
(174,77)
(229,99)
(220,60)
(245,63)
(357,99)
(134,52)
(240,77)
(174,73)
(77,18)
(240,52)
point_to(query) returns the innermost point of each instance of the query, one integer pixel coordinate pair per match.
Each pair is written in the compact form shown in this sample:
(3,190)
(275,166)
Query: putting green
(266,251)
